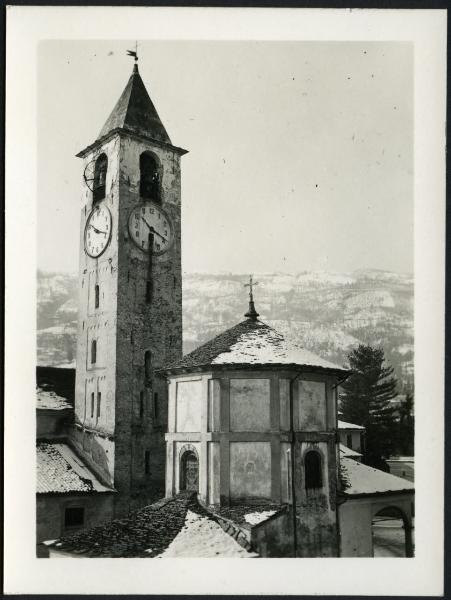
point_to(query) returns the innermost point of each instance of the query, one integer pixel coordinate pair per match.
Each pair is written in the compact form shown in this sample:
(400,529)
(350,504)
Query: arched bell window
(100,170)
(313,471)
(149,186)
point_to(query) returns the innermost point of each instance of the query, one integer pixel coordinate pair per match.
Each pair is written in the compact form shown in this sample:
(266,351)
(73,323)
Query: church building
(130,297)
(244,429)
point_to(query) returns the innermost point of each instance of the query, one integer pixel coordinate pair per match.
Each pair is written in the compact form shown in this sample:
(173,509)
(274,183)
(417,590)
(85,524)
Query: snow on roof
(59,470)
(201,537)
(361,479)
(179,525)
(49,400)
(345,451)
(252,342)
(344,425)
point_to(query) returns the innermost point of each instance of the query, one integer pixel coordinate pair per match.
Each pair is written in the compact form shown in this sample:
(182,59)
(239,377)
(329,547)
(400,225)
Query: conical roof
(135,112)
(252,343)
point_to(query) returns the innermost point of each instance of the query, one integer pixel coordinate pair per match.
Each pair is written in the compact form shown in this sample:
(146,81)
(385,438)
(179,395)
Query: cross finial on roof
(251,313)
(134,53)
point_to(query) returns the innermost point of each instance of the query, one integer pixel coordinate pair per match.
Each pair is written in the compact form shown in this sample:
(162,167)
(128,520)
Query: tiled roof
(146,533)
(361,479)
(252,342)
(59,470)
(49,400)
(345,451)
(135,112)
(344,425)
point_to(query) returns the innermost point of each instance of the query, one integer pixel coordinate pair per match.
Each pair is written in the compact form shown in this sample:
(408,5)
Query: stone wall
(50,510)
(126,325)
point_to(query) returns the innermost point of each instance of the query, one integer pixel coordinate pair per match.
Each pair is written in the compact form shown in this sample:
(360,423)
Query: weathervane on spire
(251,313)
(134,53)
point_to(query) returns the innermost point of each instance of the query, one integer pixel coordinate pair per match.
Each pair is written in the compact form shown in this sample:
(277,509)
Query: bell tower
(130,297)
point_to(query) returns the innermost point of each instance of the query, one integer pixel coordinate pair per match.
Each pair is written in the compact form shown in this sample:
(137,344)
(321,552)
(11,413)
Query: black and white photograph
(234,314)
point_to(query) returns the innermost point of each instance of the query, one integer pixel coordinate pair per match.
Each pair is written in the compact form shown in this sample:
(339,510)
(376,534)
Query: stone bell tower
(130,297)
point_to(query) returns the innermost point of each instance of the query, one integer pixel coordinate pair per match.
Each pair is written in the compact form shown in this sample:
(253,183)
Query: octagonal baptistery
(240,407)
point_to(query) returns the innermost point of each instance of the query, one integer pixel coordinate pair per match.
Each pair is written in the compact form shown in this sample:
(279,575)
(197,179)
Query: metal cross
(250,285)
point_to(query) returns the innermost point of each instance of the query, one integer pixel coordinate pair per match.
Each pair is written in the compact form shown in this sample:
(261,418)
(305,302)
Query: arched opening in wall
(149,185)
(189,472)
(313,470)
(392,533)
(100,170)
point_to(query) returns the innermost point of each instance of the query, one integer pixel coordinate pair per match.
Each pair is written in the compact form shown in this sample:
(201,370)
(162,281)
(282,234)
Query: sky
(300,153)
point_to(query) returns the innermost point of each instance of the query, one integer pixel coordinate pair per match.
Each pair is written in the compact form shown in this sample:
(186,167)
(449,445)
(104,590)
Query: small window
(149,177)
(147,462)
(148,364)
(100,171)
(92,405)
(313,475)
(93,351)
(99,402)
(349,440)
(74,516)
(141,405)
(97,296)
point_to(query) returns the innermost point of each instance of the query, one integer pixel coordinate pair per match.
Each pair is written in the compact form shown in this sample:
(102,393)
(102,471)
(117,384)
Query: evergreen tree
(406,426)
(365,400)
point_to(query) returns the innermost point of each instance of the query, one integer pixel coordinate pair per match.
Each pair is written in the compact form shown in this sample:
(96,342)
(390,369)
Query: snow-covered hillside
(327,313)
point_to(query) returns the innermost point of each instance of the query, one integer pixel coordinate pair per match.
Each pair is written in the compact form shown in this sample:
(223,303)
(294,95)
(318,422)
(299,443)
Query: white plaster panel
(188,411)
(284,395)
(249,405)
(250,469)
(213,472)
(285,475)
(311,405)
(214,398)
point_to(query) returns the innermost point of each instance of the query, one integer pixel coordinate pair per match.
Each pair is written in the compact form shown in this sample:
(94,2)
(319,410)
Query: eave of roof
(252,344)
(132,134)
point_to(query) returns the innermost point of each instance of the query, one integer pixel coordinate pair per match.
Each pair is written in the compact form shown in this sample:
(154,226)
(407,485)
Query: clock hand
(153,230)
(97,230)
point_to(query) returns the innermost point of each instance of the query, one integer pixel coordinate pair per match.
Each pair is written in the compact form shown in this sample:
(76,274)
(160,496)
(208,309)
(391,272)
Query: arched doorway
(392,533)
(189,472)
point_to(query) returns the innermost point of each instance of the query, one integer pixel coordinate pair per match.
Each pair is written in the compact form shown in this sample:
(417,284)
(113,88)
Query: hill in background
(327,313)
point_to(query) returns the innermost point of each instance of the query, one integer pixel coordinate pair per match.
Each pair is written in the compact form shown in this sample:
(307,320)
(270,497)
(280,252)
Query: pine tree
(406,426)
(365,400)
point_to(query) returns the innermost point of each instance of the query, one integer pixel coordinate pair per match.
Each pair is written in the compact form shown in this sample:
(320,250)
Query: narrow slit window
(96,296)
(148,364)
(99,402)
(93,351)
(92,405)
(313,475)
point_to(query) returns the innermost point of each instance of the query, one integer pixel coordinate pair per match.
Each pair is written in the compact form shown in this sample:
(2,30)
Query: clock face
(148,222)
(97,231)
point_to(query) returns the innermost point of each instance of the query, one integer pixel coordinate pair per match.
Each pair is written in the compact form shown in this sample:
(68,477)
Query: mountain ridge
(326,313)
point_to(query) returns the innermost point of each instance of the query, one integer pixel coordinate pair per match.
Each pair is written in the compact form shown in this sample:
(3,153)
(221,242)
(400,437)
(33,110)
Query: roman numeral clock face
(149,224)
(97,231)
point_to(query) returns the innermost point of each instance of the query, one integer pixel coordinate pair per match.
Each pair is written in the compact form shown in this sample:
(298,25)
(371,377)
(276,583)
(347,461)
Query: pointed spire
(251,314)
(135,112)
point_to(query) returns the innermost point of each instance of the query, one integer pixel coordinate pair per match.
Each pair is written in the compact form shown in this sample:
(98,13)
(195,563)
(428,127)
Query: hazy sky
(300,153)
